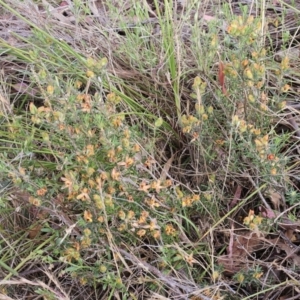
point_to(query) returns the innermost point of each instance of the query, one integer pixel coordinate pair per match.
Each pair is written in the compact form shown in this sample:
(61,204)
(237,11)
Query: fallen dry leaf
(209,18)
(24,88)
(34,231)
(238,250)
(236,197)
(290,251)
(267,213)
(275,198)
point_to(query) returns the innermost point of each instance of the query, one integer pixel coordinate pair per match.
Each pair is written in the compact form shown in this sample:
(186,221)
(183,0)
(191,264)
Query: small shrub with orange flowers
(92,171)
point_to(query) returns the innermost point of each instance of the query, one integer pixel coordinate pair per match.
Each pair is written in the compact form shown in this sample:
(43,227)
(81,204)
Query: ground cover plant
(149,149)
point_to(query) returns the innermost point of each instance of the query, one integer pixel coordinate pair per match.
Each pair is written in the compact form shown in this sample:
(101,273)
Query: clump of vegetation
(151,155)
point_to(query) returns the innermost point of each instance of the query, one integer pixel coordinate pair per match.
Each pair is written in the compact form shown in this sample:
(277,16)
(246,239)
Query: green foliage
(125,167)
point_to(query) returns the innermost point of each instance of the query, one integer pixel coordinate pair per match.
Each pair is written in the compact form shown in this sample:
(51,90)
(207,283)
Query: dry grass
(149,150)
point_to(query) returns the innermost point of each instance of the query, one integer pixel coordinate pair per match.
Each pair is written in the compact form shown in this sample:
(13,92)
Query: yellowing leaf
(32,108)
(158,122)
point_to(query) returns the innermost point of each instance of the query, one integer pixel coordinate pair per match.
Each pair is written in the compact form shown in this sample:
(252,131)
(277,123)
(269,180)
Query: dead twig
(169,281)
(259,193)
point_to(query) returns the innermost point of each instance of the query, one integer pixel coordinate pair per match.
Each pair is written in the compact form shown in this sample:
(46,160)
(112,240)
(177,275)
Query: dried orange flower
(84,196)
(103,176)
(285,88)
(143,217)
(170,230)
(144,187)
(153,225)
(168,183)
(141,232)
(89,150)
(257,275)
(34,201)
(22,171)
(82,158)
(127,163)
(100,219)
(115,175)
(150,161)
(87,215)
(71,254)
(152,202)
(111,154)
(130,214)
(157,186)
(122,215)
(90,74)
(136,148)
(190,259)
(285,63)
(117,121)
(187,201)
(122,227)
(156,234)
(110,190)
(86,242)
(41,192)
